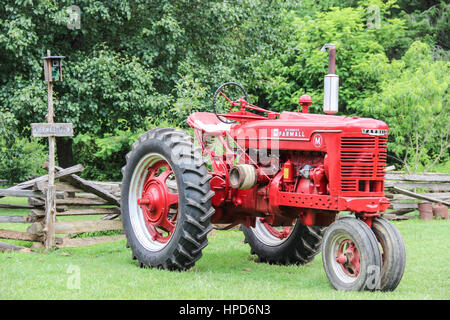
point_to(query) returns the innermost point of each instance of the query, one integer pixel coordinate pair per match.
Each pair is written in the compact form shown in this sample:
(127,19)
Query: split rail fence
(74,197)
(405,191)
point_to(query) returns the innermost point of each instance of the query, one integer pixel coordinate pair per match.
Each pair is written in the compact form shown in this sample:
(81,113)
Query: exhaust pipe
(331,82)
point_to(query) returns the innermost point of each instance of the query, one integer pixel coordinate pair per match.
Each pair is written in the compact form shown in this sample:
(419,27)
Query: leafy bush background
(21,158)
(137,64)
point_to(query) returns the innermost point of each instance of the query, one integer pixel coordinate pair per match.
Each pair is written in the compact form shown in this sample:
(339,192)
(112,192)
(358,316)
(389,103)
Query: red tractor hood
(309,123)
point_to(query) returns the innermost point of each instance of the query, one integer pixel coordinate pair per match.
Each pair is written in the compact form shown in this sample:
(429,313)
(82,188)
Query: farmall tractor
(283,176)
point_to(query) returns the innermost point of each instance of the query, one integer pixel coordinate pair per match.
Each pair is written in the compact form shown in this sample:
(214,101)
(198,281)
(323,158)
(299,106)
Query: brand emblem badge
(317,141)
(288,133)
(374,132)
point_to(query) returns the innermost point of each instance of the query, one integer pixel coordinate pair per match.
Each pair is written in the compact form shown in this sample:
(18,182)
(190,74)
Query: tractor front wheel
(351,256)
(393,253)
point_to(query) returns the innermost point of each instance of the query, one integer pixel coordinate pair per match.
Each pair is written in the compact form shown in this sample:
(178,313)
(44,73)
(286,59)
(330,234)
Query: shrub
(104,157)
(19,158)
(414,102)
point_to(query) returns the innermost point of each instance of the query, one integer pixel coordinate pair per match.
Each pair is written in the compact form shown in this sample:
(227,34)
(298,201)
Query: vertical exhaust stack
(331,82)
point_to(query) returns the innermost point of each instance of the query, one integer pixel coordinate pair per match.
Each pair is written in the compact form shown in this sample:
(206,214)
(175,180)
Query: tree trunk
(64,151)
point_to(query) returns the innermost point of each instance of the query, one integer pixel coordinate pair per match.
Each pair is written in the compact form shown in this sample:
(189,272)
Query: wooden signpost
(52,72)
(51,130)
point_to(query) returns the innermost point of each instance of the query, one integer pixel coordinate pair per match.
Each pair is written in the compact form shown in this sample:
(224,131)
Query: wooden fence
(74,197)
(406,191)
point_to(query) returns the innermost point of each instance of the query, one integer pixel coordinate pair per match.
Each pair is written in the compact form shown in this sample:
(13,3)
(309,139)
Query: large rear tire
(297,245)
(166,200)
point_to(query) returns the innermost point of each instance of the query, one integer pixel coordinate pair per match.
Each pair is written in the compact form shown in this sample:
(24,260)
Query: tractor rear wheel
(166,200)
(297,244)
(351,256)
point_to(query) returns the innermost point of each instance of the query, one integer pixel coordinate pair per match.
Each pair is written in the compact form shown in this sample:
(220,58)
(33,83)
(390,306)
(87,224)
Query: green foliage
(414,101)
(7,126)
(140,63)
(428,22)
(191,97)
(95,95)
(19,158)
(301,69)
(103,157)
(442,167)
(103,89)
(27,100)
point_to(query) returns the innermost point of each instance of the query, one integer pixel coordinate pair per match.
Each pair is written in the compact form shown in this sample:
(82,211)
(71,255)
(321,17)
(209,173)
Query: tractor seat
(208,123)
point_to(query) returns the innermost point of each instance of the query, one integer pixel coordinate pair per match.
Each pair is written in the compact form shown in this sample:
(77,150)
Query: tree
(301,68)
(129,58)
(414,102)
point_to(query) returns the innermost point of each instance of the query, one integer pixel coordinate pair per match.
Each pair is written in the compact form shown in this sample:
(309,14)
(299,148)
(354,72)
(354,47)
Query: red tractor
(283,176)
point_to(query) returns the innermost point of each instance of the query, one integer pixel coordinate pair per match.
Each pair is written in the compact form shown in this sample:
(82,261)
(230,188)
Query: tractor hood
(303,125)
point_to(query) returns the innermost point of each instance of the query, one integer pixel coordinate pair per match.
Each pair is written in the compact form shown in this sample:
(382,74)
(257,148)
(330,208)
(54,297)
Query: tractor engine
(292,172)
(326,166)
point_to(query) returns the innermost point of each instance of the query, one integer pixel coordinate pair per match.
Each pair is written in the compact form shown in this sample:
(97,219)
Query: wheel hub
(153,203)
(156,202)
(277,233)
(348,258)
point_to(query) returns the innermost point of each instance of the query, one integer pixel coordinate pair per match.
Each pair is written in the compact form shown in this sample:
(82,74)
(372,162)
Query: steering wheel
(231,102)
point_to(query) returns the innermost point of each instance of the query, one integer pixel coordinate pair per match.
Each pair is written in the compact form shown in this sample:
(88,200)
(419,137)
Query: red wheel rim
(159,206)
(348,258)
(283,234)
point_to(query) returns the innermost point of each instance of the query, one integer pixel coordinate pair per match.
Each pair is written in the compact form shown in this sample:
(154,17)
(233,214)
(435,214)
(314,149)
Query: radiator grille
(363,160)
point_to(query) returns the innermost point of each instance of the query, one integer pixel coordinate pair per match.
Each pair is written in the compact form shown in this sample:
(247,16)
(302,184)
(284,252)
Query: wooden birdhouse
(53,68)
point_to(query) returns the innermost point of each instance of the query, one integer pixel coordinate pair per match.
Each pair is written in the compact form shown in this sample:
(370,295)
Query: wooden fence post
(52,72)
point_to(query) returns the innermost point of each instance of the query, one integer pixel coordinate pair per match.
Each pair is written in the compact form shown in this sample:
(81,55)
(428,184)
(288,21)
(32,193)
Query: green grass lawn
(226,271)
